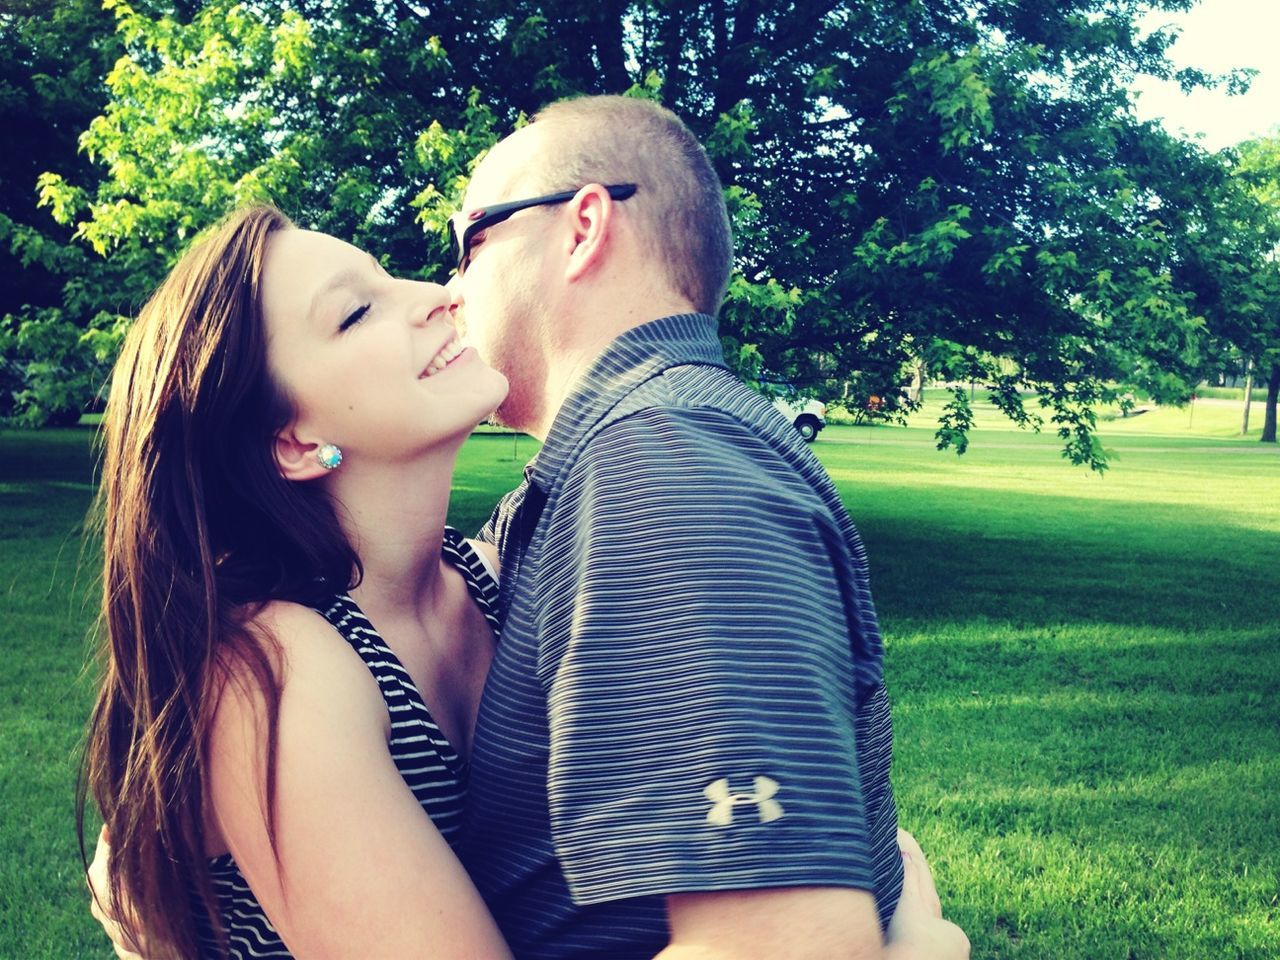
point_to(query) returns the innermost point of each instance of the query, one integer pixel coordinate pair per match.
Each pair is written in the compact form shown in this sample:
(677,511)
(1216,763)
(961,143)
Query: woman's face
(371,363)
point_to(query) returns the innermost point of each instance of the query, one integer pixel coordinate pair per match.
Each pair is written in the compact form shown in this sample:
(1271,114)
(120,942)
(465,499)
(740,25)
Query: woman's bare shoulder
(301,651)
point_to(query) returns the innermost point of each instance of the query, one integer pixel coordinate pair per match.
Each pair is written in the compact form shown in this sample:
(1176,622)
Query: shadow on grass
(1069,559)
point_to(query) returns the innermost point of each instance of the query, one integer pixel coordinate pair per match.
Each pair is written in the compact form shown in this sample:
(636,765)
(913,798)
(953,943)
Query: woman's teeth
(444,357)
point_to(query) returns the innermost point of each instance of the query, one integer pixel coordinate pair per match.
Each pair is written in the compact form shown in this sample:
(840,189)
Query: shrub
(52,370)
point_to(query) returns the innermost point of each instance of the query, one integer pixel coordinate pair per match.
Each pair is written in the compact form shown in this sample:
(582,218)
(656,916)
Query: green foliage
(200,121)
(1229,262)
(948,173)
(956,93)
(956,422)
(49,365)
(902,177)
(53,56)
(329,112)
(1256,332)
(450,156)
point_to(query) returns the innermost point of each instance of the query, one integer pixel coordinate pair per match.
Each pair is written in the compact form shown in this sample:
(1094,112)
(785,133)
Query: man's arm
(816,922)
(703,705)
(782,924)
(705,699)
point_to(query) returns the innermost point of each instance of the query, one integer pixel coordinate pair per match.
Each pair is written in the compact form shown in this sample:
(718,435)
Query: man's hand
(107,913)
(917,928)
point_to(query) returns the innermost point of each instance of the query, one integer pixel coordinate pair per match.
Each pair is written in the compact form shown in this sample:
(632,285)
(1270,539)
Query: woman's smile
(447,353)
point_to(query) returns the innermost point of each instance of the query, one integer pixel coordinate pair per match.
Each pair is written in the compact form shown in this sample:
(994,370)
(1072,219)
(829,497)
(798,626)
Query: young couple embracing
(641,714)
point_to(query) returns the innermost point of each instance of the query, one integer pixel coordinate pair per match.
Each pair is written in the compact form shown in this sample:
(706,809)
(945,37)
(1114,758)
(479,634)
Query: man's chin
(513,415)
(503,417)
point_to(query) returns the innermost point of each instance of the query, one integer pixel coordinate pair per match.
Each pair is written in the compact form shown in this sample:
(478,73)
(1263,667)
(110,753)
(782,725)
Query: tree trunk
(917,383)
(1248,396)
(1273,391)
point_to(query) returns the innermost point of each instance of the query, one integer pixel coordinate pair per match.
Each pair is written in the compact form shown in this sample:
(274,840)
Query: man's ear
(296,457)
(591,216)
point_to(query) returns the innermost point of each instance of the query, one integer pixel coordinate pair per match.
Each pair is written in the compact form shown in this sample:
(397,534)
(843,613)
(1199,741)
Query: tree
(53,57)
(955,185)
(1259,169)
(217,104)
(1229,261)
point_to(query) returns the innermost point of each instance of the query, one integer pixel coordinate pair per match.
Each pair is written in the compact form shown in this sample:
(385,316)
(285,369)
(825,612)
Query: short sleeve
(702,705)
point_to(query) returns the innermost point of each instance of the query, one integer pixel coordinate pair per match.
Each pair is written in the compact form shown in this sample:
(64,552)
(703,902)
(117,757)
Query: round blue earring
(329,455)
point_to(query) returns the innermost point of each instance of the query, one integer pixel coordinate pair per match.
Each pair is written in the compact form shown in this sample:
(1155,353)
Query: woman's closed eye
(354,317)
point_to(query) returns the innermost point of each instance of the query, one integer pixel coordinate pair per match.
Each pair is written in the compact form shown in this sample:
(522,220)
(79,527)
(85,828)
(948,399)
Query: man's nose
(454,289)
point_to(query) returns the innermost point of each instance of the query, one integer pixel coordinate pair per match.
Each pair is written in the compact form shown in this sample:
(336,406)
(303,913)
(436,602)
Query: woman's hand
(108,913)
(917,929)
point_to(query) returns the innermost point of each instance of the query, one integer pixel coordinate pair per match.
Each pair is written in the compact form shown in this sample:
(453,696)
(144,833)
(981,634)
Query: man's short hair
(679,206)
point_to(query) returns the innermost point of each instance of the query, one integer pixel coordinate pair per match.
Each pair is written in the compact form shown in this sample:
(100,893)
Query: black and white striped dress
(431,768)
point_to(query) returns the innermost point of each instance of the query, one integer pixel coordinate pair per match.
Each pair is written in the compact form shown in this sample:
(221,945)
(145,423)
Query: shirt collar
(638,355)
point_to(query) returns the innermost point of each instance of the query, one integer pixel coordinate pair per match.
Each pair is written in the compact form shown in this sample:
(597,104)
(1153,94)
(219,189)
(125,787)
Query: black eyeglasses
(486,217)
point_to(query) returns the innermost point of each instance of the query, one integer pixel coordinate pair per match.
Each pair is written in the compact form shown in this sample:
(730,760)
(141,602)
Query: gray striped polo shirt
(688,694)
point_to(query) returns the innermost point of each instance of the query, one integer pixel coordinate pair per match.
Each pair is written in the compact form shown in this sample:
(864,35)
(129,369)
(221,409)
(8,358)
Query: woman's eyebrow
(342,278)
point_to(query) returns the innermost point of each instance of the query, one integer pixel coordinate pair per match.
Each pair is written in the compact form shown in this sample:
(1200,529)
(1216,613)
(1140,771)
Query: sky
(1218,35)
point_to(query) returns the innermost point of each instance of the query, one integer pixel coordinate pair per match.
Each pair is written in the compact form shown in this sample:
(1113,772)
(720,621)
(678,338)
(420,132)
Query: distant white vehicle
(808,416)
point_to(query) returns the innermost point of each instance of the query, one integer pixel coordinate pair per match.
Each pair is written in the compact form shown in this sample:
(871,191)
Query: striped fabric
(431,768)
(688,695)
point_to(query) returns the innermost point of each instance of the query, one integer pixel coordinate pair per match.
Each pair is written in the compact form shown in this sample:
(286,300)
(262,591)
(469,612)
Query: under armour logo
(723,802)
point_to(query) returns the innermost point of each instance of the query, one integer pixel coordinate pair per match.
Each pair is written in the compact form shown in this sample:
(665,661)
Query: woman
(280,440)
(295,641)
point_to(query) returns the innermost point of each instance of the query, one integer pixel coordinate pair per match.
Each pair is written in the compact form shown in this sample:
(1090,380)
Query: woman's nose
(431,301)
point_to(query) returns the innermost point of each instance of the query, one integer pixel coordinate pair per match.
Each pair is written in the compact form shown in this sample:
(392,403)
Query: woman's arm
(917,929)
(360,865)
(110,914)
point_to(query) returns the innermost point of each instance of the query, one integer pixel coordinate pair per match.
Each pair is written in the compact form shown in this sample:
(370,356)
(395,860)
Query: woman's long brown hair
(198,531)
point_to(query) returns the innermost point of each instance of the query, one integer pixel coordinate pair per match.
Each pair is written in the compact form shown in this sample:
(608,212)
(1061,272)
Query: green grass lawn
(1083,670)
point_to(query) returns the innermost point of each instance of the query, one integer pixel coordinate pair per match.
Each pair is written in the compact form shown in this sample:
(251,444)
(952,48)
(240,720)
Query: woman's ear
(296,458)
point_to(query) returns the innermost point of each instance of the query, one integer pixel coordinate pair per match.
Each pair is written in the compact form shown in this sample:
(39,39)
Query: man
(684,744)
